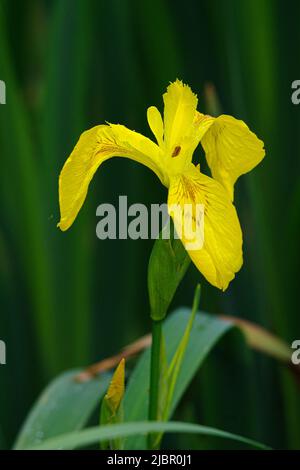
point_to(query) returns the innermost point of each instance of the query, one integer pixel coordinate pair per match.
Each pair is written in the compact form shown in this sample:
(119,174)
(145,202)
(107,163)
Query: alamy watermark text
(2,92)
(2,352)
(138,222)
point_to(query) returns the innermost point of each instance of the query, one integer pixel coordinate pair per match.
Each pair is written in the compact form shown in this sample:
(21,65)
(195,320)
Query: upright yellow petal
(231,150)
(179,113)
(93,148)
(221,254)
(156,124)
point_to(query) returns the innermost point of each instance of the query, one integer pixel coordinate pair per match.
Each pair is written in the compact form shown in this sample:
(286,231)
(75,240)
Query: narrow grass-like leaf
(92,435)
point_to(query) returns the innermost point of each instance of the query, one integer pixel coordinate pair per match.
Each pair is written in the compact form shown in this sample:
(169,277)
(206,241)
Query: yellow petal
(156,124)
(93,148)
(179,113)
(221,254)
(202,123)
(231,150)
(116,388)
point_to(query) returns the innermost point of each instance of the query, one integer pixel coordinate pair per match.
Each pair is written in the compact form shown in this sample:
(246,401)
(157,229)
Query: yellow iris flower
(231,150)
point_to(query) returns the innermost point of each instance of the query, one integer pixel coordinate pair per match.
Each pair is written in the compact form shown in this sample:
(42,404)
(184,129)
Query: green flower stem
(154,372)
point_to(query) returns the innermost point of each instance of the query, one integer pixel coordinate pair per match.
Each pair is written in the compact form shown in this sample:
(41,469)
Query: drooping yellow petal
(221,254)
(179,113)
(93,148)
(231,150)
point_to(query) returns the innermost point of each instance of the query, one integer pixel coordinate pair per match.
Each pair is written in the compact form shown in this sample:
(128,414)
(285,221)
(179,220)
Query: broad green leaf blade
(91,435)
(64,406)
(206,331)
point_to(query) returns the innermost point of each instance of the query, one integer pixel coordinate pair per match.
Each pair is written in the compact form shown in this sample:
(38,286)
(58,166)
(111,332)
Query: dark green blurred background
(68,299)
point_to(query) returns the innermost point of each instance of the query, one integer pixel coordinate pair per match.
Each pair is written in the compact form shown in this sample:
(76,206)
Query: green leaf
(176,363)
(91,435)
(168,264)
(205,332)
(172,372)
(64,406)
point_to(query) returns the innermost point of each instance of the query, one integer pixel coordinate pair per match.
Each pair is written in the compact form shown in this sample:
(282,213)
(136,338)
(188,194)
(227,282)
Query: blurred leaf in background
(70,65)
